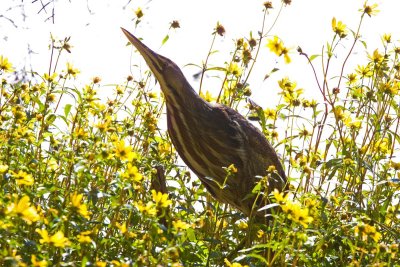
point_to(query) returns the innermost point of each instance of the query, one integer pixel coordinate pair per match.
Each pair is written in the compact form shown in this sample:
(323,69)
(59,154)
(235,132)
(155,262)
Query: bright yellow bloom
(234,69)
(5,65)
(81,208)
(351,78)
(23,178)
(243,225)
(57,240)
(122,227)
(71,70)
(376,57)
(49,78)
(84,237)
(139,13)
(382,146)
(180,225)
(364,71)
(36,263)
(132,173)
(280,198)
(22,207)
(270,114)
(207,96)
(366,230)
(123,152)
(275,45)
(285,53)
(387,38)
(339,28)
(101,264)
(234,264)
(161,199)
(149,209)
(260,233)
(3,168)
(296,213)
(370,10)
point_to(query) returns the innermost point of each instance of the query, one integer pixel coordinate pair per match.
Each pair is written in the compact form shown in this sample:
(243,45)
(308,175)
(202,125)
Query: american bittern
(209,137)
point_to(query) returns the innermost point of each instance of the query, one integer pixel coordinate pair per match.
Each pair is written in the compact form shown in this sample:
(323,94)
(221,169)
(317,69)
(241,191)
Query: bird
(210,137)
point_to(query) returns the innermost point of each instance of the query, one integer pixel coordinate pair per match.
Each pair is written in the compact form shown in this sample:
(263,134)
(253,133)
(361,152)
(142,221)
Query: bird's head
(167,73)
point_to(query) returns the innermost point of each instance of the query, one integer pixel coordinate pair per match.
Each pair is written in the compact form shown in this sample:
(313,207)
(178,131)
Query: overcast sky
(99,45)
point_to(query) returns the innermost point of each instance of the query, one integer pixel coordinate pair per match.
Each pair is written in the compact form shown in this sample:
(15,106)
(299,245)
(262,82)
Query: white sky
(99,45)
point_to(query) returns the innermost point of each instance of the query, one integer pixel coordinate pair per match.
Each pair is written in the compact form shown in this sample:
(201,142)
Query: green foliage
(92,180)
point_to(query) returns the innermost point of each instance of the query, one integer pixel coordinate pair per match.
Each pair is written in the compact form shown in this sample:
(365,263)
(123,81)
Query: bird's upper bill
(152,59)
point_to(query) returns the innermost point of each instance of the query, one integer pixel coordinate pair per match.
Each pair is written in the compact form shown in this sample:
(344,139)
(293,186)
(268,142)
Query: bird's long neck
(183,97)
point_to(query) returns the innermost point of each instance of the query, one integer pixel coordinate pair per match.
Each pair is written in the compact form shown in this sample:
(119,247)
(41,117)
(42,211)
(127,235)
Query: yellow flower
(180,225)
(387,37)
(296,213)
(370,10)
(243,225)
(149,209)
(351,78)
(208,96)
(101,264)
(260,233)
(3,168)
(139,13)
(364,71)
(23,178)
(57,240)
(36,263)
(5,65)
(123,152)
(376,57)
(71,70)
(270,114)
(84,237)
(285,53)
(339,28)
(49,78)
(366,230)
(132,173)
(122,227)
(234,264)
(234,69)
(275,45)
(382,146)
(23,208)
(279,197)
(287,85)
(161,199)
(81,208)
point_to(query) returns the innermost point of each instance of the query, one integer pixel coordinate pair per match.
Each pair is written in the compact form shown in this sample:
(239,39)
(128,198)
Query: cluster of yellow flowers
(293,210)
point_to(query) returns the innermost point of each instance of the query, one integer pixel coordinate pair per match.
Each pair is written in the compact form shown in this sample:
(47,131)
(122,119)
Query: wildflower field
(88,180)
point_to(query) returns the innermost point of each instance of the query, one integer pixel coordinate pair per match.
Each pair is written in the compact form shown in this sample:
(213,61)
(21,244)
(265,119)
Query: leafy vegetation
(93,181)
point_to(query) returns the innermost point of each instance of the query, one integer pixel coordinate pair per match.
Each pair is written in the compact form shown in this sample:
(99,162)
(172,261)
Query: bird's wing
(246,143)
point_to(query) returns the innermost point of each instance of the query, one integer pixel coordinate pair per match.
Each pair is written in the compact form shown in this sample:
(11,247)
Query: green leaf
(312,57)
(165,39)
(191,234)
(67,109)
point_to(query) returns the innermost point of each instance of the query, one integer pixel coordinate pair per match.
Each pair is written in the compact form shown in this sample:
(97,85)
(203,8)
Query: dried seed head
(268,5)
(96,79)
(220,29)
(252,42)
(175,24)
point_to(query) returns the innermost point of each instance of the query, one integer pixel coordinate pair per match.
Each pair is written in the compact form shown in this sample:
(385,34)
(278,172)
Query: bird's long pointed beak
(152,59)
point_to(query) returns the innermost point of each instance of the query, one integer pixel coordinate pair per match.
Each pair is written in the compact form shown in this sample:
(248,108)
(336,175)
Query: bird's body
(210,137)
